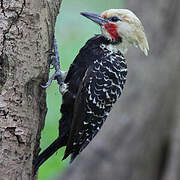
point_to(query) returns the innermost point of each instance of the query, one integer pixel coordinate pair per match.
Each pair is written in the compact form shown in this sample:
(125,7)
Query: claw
(54,60)
(54,76)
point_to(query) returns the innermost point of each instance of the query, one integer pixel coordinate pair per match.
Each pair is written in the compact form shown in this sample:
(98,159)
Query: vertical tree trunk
(140,140)
(26,36)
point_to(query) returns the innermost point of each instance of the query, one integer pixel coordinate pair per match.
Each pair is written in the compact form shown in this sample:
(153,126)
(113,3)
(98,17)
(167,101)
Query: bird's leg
(55,61)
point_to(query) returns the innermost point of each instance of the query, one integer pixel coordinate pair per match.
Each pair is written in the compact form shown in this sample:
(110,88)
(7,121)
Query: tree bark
(140,139)
(26,36)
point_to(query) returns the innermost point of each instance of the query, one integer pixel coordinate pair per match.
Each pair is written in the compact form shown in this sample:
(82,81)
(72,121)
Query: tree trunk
(140,139)
(26,36)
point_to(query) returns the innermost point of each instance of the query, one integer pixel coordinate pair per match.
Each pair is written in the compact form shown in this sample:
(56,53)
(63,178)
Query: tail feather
(73,156)
(58,143)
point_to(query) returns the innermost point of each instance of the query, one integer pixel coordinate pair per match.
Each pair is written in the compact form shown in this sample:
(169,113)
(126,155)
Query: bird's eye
(114,19)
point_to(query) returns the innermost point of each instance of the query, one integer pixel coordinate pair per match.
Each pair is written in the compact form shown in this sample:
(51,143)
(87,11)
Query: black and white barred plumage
(99,87)
(95,81)
(93,84)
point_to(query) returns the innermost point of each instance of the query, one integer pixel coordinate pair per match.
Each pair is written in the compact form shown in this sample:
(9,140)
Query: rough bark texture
(26,36)
(140,140)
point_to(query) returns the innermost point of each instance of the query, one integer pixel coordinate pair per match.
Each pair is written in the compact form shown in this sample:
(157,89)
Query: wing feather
(99,90)
(78,114)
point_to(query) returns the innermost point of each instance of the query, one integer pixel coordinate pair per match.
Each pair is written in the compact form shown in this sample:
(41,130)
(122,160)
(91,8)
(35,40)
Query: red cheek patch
(104,16)
(112,30)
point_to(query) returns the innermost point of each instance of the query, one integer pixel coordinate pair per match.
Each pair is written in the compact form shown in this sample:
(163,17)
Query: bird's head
(121,26)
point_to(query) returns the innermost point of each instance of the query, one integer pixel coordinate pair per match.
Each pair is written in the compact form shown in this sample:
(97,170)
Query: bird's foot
(54,60)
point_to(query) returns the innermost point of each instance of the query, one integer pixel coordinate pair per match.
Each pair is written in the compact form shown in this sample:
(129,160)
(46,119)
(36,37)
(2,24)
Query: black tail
(58,143)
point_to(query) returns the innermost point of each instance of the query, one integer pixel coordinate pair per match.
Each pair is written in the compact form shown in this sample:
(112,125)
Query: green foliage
(72,31)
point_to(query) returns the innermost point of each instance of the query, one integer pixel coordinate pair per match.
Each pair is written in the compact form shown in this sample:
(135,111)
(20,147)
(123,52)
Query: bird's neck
(118,44)
(112,45)
(123,46)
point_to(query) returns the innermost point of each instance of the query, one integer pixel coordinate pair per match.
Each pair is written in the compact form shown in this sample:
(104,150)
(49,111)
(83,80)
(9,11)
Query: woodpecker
(95,81)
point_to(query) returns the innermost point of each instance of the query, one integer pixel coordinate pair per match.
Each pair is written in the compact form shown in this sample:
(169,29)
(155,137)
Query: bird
(95,81)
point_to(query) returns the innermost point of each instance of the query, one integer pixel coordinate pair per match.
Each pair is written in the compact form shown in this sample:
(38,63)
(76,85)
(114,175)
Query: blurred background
(140,139)
(72,31)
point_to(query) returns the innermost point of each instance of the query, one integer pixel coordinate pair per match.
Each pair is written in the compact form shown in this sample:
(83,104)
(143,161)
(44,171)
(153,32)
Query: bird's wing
(96,94)
(78,114)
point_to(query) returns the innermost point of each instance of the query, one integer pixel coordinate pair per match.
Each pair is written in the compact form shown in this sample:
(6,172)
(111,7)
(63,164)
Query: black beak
(94,17)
